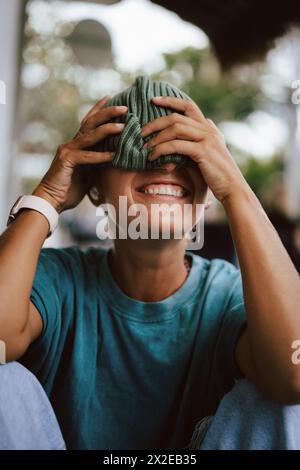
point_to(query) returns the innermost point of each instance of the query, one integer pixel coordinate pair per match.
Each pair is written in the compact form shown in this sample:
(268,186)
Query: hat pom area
(128,145)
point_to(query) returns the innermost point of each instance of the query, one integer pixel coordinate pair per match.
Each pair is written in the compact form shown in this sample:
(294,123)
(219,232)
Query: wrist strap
(38,204)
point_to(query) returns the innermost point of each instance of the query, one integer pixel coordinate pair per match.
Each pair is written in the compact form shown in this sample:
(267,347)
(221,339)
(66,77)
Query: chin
(166,227)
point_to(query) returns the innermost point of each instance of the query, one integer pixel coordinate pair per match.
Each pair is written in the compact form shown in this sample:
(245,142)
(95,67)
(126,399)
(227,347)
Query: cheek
(200,186)
(118,192)
(200,195)
(199,204)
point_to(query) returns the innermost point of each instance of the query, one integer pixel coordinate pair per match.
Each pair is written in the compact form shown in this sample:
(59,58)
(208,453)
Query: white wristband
(38,204)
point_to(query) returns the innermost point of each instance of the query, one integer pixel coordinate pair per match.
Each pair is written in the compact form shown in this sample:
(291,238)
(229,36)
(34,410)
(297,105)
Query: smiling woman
(171,179)
(165,202)
(137,344)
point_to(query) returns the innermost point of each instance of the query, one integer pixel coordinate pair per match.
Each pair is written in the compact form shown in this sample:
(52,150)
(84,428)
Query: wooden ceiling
(240,30)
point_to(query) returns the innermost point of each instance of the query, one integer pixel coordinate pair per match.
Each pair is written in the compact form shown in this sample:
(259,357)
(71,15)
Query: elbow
(13,349)
(293,392)
(288,393)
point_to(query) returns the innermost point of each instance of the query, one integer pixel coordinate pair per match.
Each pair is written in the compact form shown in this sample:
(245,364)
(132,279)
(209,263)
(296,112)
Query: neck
(148,272)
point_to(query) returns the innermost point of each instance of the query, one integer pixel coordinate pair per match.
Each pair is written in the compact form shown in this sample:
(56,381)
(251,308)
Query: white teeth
(164,190)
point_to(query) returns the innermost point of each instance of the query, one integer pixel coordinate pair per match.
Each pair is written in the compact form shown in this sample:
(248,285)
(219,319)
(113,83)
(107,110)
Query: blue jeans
(27,420)
(243,420)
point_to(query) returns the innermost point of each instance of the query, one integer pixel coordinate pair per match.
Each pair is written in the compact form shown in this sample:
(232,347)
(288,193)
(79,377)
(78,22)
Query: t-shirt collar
(149,311)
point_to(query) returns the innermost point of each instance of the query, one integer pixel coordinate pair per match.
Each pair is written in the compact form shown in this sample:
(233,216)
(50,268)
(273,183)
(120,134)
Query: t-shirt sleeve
(52,295)
(48,289)
(232,324)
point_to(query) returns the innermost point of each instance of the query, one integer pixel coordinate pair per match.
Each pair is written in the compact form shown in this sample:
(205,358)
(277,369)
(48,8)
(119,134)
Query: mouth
(164,190)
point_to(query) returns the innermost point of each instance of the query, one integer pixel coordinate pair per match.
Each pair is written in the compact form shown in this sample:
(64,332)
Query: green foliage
(259,174)
(222,101)
(219,96)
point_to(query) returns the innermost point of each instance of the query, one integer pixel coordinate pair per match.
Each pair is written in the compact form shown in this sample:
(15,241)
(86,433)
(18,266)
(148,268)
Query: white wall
(9,41)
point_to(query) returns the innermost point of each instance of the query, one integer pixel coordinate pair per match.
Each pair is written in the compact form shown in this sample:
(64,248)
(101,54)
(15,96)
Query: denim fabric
(27,421)
(245,420)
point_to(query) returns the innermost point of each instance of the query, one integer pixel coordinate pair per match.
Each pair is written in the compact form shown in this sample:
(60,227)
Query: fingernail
(120,125)
(157,97)
(122,108)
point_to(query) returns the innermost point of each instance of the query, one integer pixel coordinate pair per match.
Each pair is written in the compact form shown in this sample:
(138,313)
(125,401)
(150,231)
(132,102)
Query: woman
(135,345)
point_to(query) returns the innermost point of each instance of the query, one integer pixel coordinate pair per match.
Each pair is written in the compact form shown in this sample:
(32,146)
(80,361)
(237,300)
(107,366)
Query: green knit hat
(128,145)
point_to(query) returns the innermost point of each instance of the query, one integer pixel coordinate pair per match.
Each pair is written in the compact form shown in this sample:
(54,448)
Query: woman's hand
(193,135)
(63,185)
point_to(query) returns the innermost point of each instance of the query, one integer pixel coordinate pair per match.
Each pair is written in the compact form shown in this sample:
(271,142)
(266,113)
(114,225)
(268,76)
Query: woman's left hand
(193,135)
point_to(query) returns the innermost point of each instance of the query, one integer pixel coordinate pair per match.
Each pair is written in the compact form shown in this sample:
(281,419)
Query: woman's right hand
(63,185)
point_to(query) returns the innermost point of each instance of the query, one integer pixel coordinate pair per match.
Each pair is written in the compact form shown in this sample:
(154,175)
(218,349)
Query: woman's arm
(20,244)
(270,282)
(272,297)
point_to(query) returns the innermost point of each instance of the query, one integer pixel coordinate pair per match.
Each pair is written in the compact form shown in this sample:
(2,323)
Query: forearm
(271,290)
(63,187)
(20,246)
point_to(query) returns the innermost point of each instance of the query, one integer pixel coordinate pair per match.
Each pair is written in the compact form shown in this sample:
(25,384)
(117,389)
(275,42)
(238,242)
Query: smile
(158,189)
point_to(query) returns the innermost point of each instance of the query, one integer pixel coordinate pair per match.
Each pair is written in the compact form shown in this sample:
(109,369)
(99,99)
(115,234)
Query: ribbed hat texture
(129,144)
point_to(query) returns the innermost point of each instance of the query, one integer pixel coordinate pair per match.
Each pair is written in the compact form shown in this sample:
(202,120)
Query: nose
(168,167)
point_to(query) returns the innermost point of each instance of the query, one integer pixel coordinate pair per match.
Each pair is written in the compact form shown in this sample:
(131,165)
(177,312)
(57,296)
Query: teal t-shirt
(126,374)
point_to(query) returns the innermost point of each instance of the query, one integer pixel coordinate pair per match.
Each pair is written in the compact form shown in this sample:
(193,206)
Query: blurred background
(239,60)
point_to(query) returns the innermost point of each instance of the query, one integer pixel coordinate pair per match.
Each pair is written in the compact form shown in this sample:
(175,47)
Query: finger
(104,115)
(97,106)
(177,131)
(82,157)
(162,122)
(188,107)
(181,147)
(213,126)
(87,139)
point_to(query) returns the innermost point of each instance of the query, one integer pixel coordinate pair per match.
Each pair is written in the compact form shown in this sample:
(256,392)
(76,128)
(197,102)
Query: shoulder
(72,256)
(222,270)
(216,268)
(67,265)
(218,276)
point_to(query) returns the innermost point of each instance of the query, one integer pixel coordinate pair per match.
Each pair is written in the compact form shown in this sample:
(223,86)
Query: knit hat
(128,145)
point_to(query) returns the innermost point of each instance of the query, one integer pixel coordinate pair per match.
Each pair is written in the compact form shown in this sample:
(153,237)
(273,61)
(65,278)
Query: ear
(208,204)
(95,196)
